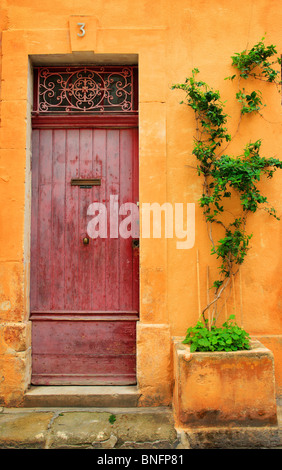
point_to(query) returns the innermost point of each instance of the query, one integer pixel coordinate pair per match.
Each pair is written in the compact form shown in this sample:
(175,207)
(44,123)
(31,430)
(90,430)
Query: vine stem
(241,298)
(208,297)
(198,282)
(217,297)
(234,135)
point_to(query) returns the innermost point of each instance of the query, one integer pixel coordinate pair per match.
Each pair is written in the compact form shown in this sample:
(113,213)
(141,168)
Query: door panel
(84,352)
(76,287)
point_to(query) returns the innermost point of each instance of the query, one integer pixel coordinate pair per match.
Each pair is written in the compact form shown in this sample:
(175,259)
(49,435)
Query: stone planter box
(224,388)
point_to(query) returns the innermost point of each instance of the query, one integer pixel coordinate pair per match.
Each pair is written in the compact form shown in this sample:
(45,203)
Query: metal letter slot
(86,183)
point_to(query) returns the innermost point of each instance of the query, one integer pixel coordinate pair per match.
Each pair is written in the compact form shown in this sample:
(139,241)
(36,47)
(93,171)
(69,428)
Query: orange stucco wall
(169,38)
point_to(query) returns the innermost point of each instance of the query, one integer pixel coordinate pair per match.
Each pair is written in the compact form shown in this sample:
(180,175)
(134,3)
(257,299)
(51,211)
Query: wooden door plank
(112,244)
(45,219)
(58,220)
(99,244)
(97,338)
(34,221)
(85,199)
(72,279)
(135,194)
(126,251)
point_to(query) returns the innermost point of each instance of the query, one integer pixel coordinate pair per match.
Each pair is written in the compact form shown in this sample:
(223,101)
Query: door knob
(85,241)
(135,243)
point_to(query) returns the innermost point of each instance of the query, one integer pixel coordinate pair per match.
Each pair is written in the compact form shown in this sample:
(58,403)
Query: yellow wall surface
(169,38)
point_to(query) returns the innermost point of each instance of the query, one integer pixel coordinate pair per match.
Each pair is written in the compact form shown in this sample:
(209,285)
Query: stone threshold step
(81,396)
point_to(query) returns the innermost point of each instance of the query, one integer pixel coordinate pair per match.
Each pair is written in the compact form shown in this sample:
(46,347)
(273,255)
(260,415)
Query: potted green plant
(227,178)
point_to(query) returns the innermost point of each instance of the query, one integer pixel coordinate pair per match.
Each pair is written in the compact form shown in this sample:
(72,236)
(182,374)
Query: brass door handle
(85,241)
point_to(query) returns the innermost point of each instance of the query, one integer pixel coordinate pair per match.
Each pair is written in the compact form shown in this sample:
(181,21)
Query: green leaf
(112,419)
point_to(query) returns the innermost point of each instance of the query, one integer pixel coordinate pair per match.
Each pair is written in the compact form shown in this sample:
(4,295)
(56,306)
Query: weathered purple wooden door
(84,293)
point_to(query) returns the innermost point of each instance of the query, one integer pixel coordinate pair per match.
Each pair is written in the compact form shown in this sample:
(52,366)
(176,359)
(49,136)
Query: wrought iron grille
(84,89)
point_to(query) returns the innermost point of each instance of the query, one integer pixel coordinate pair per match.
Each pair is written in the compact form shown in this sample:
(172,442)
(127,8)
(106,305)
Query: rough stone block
(220,388)
(14,377)
(16,336)
(24,430)
(154,366)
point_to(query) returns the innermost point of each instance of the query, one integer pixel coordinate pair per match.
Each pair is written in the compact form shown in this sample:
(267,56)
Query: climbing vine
(225,175)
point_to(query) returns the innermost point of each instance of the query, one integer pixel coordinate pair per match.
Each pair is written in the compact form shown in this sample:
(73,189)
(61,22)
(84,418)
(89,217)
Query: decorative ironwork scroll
(84,89)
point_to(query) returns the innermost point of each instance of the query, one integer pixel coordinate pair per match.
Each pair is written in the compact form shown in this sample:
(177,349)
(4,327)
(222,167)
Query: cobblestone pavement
(119,428)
